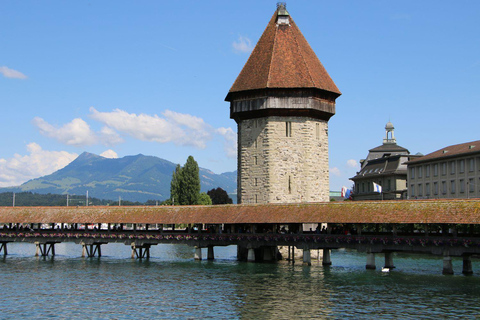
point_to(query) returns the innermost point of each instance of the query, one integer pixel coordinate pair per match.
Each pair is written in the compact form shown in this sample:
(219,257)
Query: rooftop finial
(282,13)
(282,5)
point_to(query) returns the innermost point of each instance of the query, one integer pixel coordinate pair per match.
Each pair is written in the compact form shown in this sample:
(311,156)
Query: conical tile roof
(283,59)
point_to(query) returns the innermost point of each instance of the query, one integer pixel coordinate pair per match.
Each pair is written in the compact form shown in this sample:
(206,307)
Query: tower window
(289,184)
(255,161)
(288,128)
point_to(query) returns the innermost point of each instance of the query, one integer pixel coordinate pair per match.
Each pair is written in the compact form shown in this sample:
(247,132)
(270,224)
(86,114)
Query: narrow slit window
(288,128)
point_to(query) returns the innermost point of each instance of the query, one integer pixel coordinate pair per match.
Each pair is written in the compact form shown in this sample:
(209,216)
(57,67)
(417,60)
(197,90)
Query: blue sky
(126,77)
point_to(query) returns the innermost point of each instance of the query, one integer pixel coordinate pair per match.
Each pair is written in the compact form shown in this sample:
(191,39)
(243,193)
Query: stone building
(386,166)
(451,172)
(282,101)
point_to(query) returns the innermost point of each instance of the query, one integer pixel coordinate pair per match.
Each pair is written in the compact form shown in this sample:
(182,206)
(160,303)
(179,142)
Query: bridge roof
(415,211)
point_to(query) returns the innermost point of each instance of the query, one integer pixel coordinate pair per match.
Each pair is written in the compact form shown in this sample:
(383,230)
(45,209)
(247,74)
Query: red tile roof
(283,58)
(415,211)
(450,151)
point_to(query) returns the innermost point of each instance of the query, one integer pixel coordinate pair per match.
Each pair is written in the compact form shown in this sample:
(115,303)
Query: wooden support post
(210,253)
(467,265)
(307,261)
(251,255)
(44,249)
(326,261)
(447,263)
(3,248)
(359,229)
(389,260)
(370,261)
(293,254)
(198,253)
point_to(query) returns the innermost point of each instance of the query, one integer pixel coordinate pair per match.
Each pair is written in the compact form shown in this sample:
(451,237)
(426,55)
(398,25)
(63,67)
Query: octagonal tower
(282,101)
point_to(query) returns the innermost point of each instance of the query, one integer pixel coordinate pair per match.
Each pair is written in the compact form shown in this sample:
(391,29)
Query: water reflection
(172,285)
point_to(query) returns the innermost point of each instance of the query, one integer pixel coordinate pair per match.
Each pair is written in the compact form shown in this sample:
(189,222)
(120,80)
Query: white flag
(377,188)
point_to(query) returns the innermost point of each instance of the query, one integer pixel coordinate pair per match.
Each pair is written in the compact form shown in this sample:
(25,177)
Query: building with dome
(385,166)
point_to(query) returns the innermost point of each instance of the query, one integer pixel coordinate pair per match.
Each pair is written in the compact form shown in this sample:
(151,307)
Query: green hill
(133,178)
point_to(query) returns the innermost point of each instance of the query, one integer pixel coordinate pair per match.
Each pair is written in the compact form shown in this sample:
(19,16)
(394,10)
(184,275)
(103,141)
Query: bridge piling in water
(447,263)
(326,261)
(198,253)
(140,251)
(370,261)
(3,248)
(210,253)
(251,255)
(307,259)
(92,249)
(467,265)
(389,261)
(45,248)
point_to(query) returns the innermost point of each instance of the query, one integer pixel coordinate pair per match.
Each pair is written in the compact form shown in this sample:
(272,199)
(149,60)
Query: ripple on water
(172,285)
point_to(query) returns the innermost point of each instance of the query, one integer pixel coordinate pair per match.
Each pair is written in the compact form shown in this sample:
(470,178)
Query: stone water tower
(282,101)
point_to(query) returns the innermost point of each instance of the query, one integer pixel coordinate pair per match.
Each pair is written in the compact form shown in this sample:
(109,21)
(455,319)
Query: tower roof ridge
(305,62)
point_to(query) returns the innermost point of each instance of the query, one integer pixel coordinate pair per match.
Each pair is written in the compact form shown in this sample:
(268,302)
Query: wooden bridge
(450,228)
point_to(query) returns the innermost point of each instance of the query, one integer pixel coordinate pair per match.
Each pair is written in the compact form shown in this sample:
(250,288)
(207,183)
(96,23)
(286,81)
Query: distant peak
(87,155)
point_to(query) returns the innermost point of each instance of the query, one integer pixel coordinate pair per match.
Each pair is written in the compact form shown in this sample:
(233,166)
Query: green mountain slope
(134,178)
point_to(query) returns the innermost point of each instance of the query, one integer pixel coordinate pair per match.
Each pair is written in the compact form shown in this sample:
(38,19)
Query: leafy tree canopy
(204,199)
(219,196)
(185,185)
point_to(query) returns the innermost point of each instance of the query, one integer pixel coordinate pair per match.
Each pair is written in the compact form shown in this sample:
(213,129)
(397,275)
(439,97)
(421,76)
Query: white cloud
(352,163)
(10,73)
(230,143)
(242,45)
(37,163)
(109,154)
(77,133)
(181,129)
(335,171)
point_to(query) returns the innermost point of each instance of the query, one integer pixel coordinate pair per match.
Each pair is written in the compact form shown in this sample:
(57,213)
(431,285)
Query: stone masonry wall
(276,168)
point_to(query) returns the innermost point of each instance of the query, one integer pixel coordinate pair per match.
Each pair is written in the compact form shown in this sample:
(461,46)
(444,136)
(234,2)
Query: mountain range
(133,178)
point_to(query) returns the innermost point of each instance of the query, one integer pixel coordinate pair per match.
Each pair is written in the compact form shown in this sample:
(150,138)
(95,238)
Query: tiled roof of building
(417,211)
(283,58)
(451,151)
(382,166)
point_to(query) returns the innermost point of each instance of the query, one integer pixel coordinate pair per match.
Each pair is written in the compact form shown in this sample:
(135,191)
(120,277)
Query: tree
(185,184)
(204,199)
(190,182)
(219,196)
(175,185)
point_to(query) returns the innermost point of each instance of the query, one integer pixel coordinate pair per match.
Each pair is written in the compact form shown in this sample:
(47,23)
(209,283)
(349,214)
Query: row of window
(451,167)
(368,186)
(442,187)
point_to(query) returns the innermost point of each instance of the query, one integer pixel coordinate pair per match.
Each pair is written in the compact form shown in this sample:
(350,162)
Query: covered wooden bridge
(444,227)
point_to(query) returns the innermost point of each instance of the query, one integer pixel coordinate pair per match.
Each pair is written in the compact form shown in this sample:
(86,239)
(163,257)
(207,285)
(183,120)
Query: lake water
(172,285)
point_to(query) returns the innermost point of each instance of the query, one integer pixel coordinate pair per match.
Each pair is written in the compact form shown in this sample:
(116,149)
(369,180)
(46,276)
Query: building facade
(386,166)
(451,172)
(282,101)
